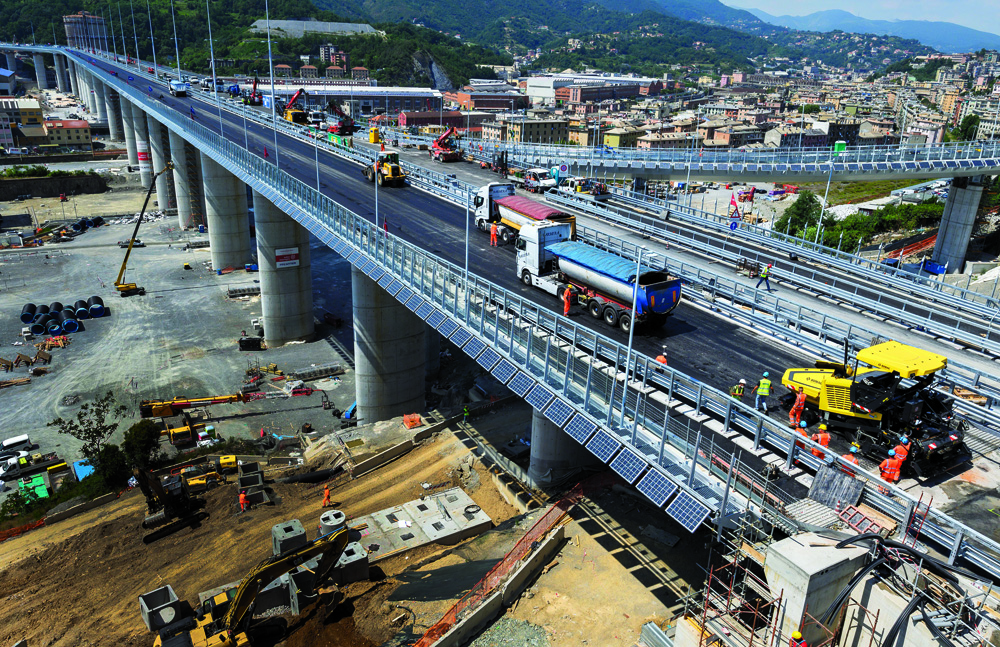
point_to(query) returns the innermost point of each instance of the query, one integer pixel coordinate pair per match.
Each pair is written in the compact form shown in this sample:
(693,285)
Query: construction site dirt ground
(77,582)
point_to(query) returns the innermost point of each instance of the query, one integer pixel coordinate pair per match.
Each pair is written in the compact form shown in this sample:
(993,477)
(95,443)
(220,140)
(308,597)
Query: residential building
(623,137)
(334,72)
(6,136)
(456,118)
(8,84)
(69,132)
(736,136)
(538,131)
(668,140)
(474,100)
(495,131)
(308,72)
(359,73)
(794,137)
(331,55)
(86,31)
(21,111)
(282,70)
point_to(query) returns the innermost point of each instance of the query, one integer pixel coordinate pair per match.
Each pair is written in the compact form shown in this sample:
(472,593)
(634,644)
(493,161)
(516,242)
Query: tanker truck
(496,203)
(548,258)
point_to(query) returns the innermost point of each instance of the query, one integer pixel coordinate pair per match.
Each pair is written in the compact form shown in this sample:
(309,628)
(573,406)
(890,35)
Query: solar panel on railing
(448,328)
(539,397)
(488,359)
(687,511)
(520,384)
(425,310)
(414,302)
(460,337)
(367,266)
(504,371)
(395,287)
(386,280)
(377,273)
(629,466)
(559,412)
(657,487)
(474,347)
(781,167)
(603,446)
(436,319)
(796,167)
(339,246)
(354,256)
(750,167)
(580,428)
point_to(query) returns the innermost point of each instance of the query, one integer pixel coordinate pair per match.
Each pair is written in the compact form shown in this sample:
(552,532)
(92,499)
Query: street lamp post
(152,43)
(135,35)
(215,78)
(631,332)
(177,47)
(274,93)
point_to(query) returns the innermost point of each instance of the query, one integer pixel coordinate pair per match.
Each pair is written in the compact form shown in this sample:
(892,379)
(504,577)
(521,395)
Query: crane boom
(167,408)
(127,289)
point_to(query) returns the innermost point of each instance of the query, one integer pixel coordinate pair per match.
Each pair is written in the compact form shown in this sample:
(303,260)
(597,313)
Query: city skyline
(968,13)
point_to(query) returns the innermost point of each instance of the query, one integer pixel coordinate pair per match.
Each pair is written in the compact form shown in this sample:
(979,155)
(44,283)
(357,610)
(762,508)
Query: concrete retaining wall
(394,452)
(83,507)
(51,187)
(516,582)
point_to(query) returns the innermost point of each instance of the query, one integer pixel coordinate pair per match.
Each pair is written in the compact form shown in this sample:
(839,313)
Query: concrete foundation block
(331,521)
(352,565)
(258,497)
(245,469)
(250,482)
(159,608)
(302,585)
(275,595)
(288,535)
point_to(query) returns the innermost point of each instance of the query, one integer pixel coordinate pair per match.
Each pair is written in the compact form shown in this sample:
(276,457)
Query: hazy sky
(978,14)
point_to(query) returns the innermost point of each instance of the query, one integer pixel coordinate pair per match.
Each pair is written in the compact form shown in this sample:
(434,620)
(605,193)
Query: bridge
(659,428)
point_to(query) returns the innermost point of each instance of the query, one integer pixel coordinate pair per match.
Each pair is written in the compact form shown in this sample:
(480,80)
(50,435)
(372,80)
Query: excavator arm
(238,614)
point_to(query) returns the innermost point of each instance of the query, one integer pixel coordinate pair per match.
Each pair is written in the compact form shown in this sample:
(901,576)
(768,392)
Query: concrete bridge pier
(11,61)
(432,366)
(100,97)
(113,107)
(74,80)
(389,352)
(183,179)
(60,62)
(957,222)
(141,144)
(226,216)
(41,75)
(128,129)
(159,151)
(555,455)
(285,274)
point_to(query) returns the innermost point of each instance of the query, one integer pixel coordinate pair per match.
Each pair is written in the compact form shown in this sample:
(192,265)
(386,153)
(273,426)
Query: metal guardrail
(871,270)
(534,340)
(954,325)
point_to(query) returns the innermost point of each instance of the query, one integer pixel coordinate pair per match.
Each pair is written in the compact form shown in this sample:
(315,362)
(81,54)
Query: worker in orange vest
(493,235)
(902,449)
(823,438)
(795,413)
(802,430)
(851,457)
(889,468)
(567,300)
(797,640)
(662,357)
(326,495)
(243,501)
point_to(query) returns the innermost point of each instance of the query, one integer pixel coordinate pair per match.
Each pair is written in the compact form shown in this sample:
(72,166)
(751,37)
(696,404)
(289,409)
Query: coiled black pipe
(41,325)
(96,306)
(934,628)
(41,310)
(67,319)
(80,307)
(55,307)
(28,313)
(846,592)
(890,636)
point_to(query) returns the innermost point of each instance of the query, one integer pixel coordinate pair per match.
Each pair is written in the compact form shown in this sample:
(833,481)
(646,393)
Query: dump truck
(496,203)
(885,393)
(548,258)
(179,88)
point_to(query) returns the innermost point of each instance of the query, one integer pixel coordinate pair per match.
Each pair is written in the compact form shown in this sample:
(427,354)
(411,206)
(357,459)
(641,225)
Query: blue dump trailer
(602,282)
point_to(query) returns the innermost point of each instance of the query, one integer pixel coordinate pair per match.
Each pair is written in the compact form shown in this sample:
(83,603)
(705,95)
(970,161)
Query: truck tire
(611,316)
(526,278)
(594,308)
(625,323)
(481,225)
(507,237)
(381,180)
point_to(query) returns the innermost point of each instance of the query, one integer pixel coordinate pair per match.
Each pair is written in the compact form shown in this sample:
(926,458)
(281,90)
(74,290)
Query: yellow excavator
(885,393)
(223,621)
(131,289)
(386,170)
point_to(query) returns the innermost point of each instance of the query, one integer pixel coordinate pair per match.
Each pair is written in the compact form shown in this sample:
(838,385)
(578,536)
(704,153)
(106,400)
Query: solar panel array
(688,511)
(448,328)
(414,302)
(559,412)
(489,359)
(504,371)
(629,466)
(474,347)
(521,384)
(581,429)
(425,310)
(461,336)
(436,319)
(603,446)
(657,487)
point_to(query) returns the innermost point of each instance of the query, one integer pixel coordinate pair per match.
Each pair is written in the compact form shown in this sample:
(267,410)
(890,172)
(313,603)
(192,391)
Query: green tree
(810,109)
(142,444)
(93,425)
(968,128)
(800,215)
(112,466)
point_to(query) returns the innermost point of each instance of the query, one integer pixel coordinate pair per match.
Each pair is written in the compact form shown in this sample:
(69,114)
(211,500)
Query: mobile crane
(345,125)
(253,98)
(130,289)
(169,503)
(293,114)
(224,622)
(443,149)
(168,408)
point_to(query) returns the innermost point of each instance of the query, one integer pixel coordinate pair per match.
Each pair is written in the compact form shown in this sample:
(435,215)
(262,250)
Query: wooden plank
(888,523)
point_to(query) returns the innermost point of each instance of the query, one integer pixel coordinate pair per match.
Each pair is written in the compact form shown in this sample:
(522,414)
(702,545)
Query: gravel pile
(507,632)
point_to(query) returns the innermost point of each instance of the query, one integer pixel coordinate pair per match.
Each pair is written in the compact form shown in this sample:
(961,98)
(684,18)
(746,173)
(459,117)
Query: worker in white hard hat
(738,390)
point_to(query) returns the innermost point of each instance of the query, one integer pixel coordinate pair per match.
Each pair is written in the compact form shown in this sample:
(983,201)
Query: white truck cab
(536,266)
(485,207)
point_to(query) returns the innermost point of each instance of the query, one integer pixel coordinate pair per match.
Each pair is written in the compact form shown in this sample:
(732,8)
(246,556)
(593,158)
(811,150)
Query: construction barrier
(20,530)
(314,372)
(249,291)
(412,420)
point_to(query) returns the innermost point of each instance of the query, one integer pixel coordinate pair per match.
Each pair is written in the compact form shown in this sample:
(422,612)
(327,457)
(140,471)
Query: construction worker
(802,430)
(889,468)
(823,438)
(797,640)
(567,300)
(737,391)
(902,449)
(493,235)
(795,413)
(763,389)
(326,495)
(662,357)
(244,504)
(850,457)
(765,274)
(465,413)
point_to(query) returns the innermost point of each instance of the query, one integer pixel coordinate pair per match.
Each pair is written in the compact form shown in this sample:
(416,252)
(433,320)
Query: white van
(17,443)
